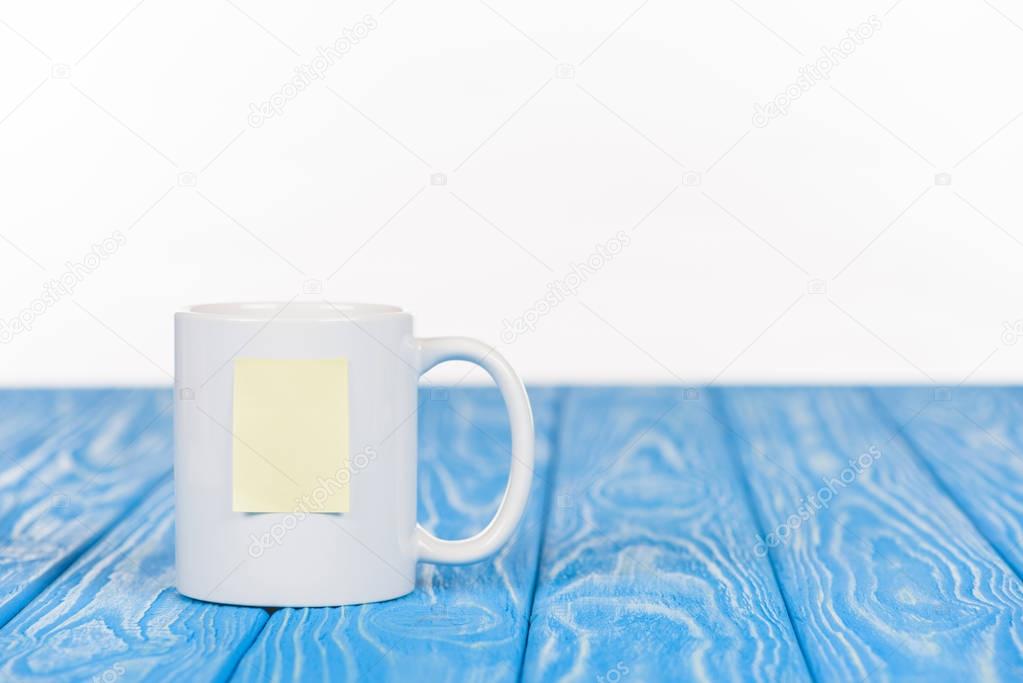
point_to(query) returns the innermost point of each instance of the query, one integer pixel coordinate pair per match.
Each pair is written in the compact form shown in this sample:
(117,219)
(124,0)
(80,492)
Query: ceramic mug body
(305,557)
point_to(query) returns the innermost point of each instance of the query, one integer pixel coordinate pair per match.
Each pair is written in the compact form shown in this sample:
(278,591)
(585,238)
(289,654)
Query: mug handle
(488,541)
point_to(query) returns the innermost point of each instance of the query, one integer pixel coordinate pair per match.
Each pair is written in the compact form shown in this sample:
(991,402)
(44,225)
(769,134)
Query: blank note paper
(290,435)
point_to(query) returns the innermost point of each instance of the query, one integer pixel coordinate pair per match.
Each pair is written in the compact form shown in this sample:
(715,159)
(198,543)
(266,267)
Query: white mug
(295,453)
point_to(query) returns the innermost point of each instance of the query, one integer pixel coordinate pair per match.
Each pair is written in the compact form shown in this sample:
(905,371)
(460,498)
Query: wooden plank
(648,569)
(461,623)
(883,574)
(27,415)
(971,439)
(114,614)
(74,462)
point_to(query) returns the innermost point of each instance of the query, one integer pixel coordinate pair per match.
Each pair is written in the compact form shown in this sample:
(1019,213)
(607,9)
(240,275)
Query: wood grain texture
(115,615)
(652,565)
(648,569)
(971,439)
(885,577)
(73,463)
(461,623)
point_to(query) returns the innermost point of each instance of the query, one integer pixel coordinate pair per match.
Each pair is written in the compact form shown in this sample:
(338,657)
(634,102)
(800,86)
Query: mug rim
(334,311)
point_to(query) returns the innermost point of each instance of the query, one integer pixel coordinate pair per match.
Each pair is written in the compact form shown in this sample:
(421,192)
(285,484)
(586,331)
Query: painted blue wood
(651,565)
(73,463)
(884,576)
(971,438)
(461,623)
(115,615)
(28,415)
(648,569)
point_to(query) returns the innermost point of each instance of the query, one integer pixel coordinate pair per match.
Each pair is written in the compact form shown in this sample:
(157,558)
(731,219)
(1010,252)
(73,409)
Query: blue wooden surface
(115,614)
(73,463)
(972,441)
(672,535)
(885,577)
(647,562)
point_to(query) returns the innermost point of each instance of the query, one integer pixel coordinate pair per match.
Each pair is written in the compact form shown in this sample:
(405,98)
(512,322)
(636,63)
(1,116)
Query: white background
(556,125)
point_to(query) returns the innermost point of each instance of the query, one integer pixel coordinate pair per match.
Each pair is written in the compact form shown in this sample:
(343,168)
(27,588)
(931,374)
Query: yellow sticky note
(290,435)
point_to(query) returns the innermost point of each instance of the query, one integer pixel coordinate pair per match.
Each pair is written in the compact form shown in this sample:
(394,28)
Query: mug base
(245,601)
